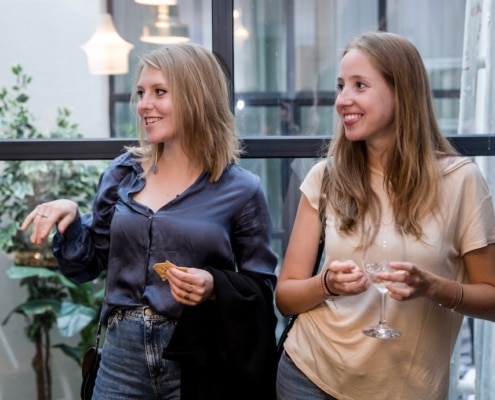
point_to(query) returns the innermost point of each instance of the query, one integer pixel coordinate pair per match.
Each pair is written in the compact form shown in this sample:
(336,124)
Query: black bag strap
(322,205)
(321,246)
(98,334)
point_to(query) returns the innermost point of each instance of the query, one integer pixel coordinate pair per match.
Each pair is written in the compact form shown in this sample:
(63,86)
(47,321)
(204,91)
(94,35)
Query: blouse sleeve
(251,238)
(82,251)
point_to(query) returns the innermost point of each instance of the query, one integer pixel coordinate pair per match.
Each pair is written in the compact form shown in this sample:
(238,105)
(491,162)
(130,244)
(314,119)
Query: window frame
(255,147)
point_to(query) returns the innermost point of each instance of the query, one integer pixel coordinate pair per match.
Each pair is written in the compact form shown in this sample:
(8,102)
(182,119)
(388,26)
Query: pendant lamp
(106,51)
(167,28)
(157,2)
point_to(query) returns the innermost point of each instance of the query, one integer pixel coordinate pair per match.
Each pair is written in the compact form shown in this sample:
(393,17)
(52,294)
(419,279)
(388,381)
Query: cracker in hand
(162,268)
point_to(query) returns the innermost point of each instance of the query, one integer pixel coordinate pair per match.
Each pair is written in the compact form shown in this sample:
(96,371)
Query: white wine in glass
(383,243)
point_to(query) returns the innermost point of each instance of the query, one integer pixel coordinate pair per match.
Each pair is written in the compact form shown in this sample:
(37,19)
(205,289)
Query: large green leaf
(40,306)
(73,318)
(21,272)
(36,307)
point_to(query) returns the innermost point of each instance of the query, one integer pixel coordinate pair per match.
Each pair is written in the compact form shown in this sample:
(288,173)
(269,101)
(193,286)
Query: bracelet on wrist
(322,287)
(461,297)
(330,293)
(456,298)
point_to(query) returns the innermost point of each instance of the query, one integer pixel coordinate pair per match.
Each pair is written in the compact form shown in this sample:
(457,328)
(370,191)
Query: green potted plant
(52,300)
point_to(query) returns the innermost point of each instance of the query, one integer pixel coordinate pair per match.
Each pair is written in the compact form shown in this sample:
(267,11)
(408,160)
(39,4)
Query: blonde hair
(412,171)
(201,107)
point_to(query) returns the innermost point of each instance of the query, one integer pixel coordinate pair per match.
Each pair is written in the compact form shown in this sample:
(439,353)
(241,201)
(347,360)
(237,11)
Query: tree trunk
(41,365)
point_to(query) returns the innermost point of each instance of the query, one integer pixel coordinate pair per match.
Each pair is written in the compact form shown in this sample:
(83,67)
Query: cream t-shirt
(326,343)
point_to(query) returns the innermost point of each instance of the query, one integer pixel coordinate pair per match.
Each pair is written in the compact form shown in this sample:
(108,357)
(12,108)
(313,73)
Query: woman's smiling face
(365,102)
(155,105)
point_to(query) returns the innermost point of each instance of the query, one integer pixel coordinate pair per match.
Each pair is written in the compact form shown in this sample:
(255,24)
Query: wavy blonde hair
(200,104)
(412,171)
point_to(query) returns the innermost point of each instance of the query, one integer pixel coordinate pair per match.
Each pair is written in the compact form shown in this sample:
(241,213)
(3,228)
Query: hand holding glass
(383,243)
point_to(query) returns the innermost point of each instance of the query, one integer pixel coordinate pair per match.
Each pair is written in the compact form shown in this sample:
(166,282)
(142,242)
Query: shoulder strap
(321,246)
(322,214)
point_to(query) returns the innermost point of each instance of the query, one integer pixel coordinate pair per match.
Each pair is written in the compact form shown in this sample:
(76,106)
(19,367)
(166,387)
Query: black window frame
(255,147)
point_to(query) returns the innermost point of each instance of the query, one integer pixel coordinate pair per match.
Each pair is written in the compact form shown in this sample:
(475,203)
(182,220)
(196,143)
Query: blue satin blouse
(225,224)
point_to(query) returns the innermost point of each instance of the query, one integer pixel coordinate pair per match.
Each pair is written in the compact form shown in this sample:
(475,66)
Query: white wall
(45,37)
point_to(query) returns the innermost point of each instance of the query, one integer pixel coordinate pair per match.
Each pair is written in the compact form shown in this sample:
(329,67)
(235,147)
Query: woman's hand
(345,278)
(59,213)
(407,282)
(475,298)
(192,287)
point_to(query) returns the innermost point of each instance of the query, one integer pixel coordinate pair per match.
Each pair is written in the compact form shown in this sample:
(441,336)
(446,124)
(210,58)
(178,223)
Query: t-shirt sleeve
(477,216)
(311,185)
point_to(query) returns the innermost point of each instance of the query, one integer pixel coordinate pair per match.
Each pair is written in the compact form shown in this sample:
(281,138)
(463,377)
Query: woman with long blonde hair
(388,163)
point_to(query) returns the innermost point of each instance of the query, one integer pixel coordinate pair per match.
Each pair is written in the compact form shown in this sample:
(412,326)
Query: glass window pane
(448,114)
(138,20)
(292,48)
(263,120)
(260,56)
(317,120)
(125,120)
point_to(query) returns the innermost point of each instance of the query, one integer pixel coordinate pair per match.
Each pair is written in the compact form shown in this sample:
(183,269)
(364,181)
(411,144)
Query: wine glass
(383,243)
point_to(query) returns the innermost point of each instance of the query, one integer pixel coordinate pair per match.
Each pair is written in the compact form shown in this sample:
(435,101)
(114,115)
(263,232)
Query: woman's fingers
(191,287)
(46,216)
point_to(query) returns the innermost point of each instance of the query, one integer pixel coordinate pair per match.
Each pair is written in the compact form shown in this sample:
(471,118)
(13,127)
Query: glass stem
(383,303)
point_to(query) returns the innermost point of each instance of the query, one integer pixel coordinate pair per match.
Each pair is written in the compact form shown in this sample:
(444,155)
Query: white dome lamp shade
(106,51)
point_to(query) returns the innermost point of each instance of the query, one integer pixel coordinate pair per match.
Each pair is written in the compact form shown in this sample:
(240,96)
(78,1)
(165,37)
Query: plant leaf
(37,307)
(21,271)
(73,318)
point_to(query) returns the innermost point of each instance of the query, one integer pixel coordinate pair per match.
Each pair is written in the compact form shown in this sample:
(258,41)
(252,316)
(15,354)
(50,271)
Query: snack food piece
(162,268)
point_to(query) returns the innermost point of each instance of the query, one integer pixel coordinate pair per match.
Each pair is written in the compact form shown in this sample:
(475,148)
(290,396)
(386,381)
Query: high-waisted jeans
(292,384)
(131,365)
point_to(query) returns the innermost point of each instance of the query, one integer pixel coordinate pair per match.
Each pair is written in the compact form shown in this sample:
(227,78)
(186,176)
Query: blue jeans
(131,365)
(292,384)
